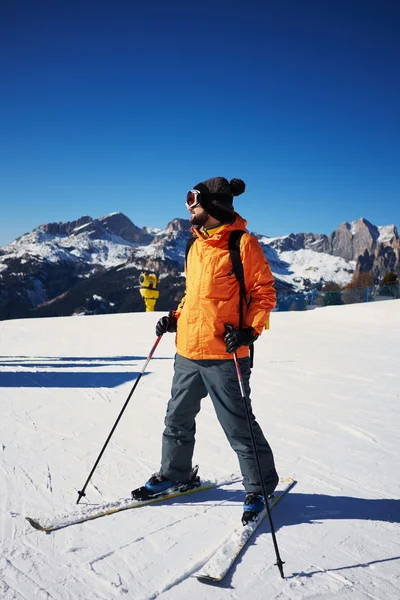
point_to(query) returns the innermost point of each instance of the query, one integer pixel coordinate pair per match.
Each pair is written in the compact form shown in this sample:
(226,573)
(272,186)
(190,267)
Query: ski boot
(253,505)
(158,486)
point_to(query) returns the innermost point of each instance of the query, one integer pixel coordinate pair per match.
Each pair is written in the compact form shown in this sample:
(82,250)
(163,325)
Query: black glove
(234,339)
(167,324)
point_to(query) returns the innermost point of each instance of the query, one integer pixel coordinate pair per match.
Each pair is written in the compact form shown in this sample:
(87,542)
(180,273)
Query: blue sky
(124,106)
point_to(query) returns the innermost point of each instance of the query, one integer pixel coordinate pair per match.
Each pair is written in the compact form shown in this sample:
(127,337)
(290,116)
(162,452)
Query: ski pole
(279,563)
(82,492)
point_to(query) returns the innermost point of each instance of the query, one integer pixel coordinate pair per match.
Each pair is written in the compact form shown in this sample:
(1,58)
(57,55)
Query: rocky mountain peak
(115,223)
(119,224)
(64,228)
(296,241)
(362,227)
(178,225)
(351,240)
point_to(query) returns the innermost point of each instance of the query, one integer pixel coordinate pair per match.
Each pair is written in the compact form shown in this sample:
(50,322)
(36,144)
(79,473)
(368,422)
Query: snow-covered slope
(316,266)
(325,389)
(305,268)
(108,251)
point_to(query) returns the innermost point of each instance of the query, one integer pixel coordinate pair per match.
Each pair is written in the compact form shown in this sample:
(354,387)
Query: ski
(90,512)
(225,555)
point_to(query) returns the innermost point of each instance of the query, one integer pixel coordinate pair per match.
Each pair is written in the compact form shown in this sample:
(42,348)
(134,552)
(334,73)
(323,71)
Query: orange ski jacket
(211,298)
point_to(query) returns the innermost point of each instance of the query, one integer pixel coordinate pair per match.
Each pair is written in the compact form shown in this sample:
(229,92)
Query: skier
(204,347)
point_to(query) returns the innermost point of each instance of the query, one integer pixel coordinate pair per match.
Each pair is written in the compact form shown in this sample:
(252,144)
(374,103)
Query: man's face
(198,216)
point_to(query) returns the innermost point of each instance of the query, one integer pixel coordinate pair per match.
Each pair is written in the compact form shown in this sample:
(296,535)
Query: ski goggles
(193,199)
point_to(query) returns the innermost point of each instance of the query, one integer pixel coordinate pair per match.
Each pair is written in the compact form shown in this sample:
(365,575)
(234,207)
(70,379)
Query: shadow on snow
(314,509)
(53,378)
(295,509)
(72,361)
(356,565)
(67,379)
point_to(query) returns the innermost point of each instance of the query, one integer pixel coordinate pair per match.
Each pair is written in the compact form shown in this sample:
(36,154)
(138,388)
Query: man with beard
(204,347)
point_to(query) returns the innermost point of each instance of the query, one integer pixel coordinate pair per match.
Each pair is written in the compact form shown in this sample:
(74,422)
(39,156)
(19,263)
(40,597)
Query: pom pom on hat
(237,186)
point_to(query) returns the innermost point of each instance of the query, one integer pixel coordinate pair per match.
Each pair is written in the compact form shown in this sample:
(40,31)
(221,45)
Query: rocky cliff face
(120,225)
(64,228)
(375,249)
(350,240)
(297,241)
(114,224)
(381,259)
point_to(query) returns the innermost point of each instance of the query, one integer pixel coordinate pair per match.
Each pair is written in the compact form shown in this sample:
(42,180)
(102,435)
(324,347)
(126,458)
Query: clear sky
(124,105)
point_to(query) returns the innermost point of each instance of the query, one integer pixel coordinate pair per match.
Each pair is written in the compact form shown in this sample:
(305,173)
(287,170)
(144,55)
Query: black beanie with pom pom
(217,197)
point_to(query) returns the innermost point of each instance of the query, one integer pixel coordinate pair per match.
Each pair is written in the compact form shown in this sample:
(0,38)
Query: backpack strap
(237,269)
(189,244)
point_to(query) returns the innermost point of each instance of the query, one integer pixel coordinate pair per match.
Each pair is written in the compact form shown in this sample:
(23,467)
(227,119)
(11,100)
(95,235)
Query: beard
(200,219)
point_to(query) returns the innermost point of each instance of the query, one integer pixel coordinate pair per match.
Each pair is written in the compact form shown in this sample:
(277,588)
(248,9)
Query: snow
(150,251)
(303,267)
(326,390)
(268,241)
(81,228)
(153,230)
(108,252)
(386,233)
(38,294)
(39,244)
(307,264)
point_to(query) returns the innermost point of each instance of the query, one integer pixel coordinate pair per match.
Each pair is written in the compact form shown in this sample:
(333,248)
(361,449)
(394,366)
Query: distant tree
(331,286)
(389,278)
(360,279)
(357,290)
(389,286)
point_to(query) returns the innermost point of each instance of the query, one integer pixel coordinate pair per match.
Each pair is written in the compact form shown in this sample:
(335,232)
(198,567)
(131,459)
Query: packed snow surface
(326,391)
(307,264)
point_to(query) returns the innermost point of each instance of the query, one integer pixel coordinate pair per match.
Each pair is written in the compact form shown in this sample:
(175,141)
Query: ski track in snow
(358,432)
(329,408)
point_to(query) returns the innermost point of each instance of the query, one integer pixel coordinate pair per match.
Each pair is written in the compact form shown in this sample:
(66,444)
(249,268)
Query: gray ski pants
(193,380)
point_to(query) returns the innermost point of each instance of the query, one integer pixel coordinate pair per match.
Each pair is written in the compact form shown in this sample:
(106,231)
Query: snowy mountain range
(92,266)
